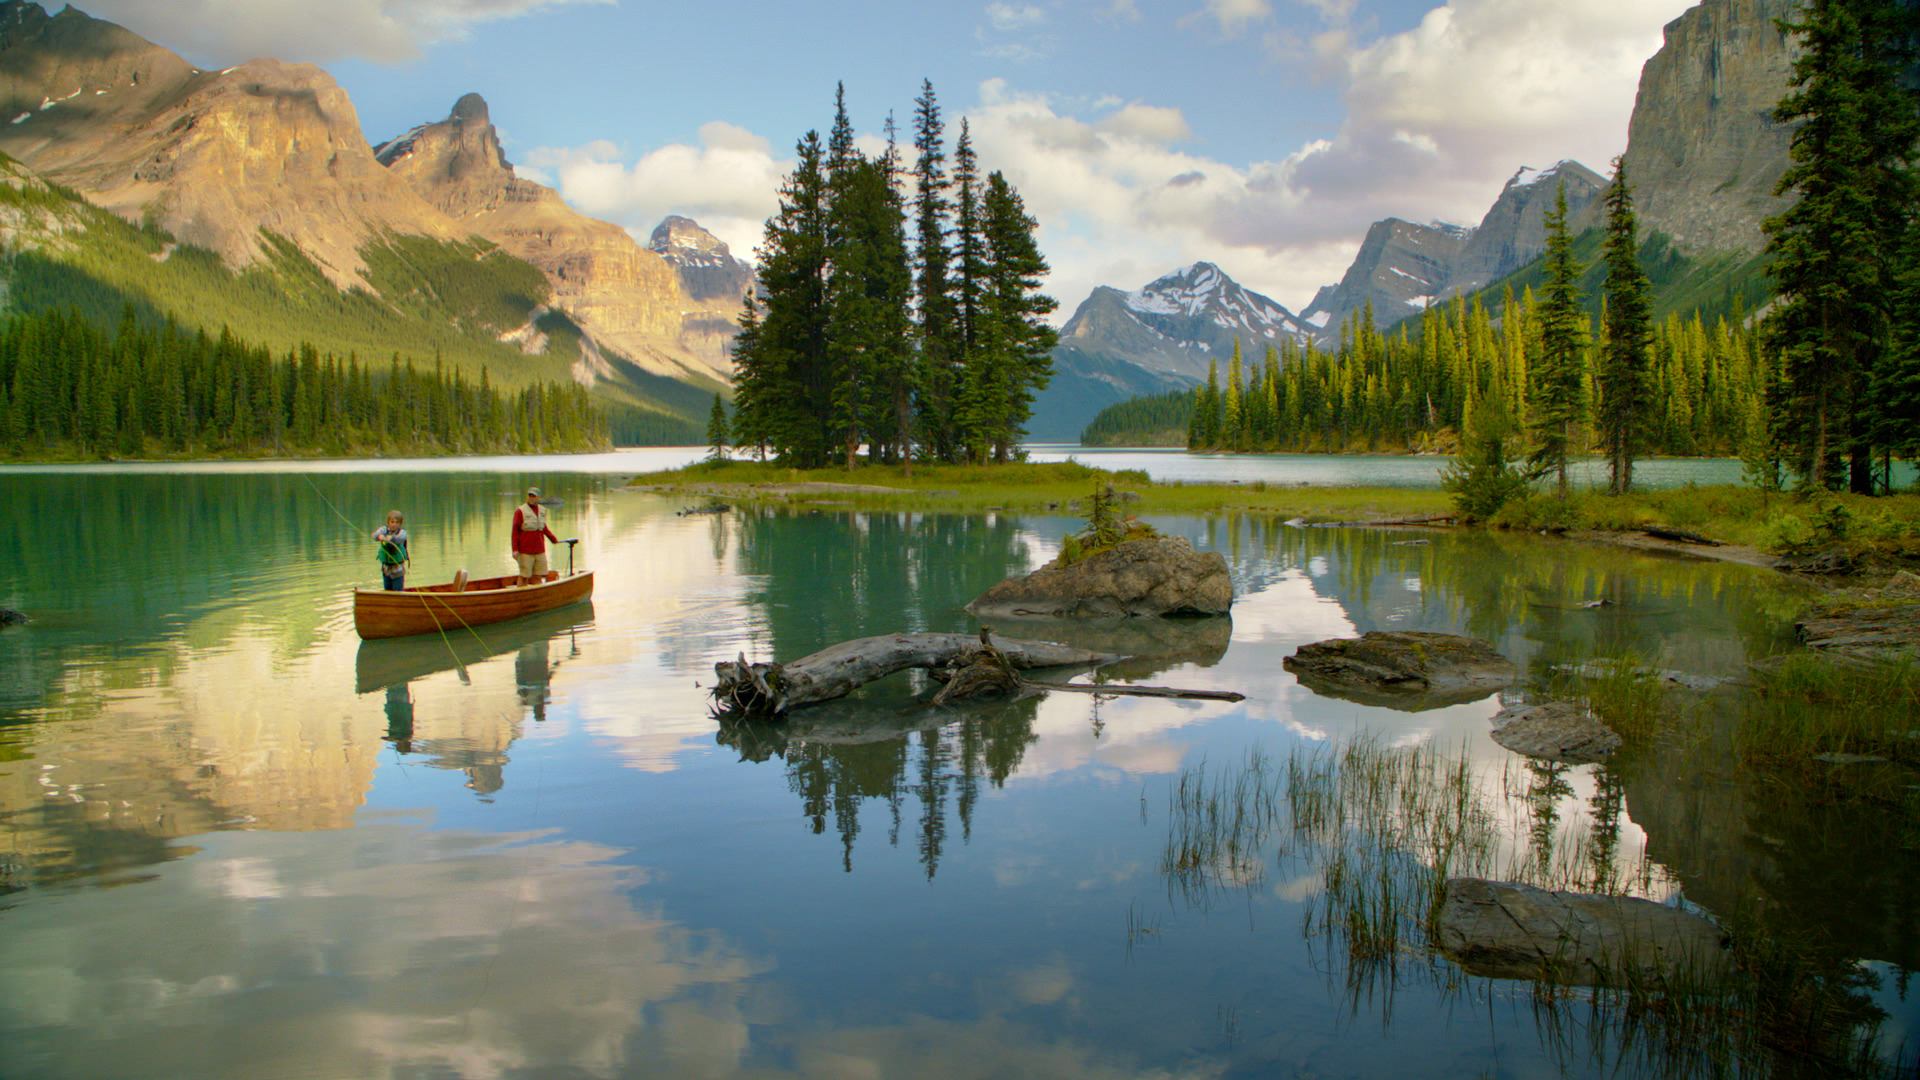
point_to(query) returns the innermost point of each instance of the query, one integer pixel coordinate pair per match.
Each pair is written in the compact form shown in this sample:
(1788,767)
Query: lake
(235,841)
(1380,470)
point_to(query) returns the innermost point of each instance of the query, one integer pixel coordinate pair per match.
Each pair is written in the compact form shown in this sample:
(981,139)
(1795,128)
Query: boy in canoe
(530,536)
(392,538)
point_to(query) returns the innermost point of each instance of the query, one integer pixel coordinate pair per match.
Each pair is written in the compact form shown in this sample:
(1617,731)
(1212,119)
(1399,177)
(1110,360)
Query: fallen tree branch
(1138,691)
(1661,532)
(770,690)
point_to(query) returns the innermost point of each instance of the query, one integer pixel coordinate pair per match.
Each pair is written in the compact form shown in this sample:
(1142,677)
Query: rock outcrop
(1877,626)
(1509,931)
(1555,731)
(627,298)
(1158,576)
(1402,669)
(1703,151)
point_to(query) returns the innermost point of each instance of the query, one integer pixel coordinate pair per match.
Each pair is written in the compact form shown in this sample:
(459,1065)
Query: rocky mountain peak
(218,159)
(456,163)
(678,236)
(706,266)
(470,109)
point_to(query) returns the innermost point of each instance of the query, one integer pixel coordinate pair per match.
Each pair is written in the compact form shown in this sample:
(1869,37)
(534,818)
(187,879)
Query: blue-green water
(1381,470)
(235,841)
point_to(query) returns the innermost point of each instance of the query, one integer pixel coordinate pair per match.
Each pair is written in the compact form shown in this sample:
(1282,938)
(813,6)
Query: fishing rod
(423,596)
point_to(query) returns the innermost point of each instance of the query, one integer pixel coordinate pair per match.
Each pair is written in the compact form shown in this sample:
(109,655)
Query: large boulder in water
(1555,731)
(1402,669)
(1509,931)
(10,617)
(1160,575)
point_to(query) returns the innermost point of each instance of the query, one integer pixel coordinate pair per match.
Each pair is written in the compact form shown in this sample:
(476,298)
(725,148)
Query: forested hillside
(68,389)
(463,305)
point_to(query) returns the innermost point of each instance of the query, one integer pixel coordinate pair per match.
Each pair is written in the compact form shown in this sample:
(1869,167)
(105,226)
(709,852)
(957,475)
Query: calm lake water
(237,842)
(1379,470)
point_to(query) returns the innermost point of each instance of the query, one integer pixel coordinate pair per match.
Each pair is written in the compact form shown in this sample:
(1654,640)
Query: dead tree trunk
(769,690)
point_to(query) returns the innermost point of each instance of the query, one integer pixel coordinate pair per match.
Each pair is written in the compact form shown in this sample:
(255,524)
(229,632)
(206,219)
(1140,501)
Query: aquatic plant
(1380,830)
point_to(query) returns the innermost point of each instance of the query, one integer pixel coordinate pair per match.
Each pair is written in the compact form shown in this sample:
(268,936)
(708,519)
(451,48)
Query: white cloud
(1437,117)
(1151,123)
(729,182)
(1007,18)
(1120,11)
(385,31)
(1232,16)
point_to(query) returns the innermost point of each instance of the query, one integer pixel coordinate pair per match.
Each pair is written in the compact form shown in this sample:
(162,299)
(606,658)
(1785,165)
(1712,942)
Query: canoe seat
(460,581)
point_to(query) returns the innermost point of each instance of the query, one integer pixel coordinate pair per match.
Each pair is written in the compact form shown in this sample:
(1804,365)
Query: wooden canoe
(449,608)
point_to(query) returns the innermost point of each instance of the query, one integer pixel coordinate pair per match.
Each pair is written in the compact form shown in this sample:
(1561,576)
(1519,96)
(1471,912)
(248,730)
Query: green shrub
(1485,476)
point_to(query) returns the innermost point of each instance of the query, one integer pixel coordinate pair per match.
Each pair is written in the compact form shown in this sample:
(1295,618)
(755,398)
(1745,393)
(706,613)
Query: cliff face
(1703,153)
(212,157)
(624,296)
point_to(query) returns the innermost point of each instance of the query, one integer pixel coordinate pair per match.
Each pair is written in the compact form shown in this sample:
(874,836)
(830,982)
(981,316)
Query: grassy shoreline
(1735,516)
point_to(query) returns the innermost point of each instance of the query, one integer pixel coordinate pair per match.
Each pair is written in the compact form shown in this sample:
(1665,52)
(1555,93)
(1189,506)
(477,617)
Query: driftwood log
(970,667)
(1682,536)
(836,671)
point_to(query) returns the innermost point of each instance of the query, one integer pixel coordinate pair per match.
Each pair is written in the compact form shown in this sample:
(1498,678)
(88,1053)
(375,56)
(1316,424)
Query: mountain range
(264,166)
(1703,155)
(251,197)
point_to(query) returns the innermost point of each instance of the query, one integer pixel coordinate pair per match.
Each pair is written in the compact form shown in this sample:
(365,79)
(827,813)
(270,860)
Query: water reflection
(909,881)
(384,950)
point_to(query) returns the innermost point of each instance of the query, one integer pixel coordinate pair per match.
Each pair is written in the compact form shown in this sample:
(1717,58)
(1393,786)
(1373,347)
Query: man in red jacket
(530,536)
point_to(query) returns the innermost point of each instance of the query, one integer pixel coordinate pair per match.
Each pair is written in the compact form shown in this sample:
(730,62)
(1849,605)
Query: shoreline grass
(1739,517)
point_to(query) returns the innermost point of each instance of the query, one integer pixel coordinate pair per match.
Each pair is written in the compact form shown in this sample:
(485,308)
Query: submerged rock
(1402,669)
(1555,731)
(1158,576)
(1511,931)
(10,617)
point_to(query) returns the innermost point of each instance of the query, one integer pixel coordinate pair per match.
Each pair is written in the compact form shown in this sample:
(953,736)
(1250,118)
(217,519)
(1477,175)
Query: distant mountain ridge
(1163,336)
(1402,267)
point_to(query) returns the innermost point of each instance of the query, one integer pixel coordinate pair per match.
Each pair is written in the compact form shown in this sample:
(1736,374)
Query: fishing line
(423,596)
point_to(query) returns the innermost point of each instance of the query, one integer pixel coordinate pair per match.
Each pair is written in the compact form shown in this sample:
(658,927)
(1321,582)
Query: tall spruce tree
(791,347)
(1833,251)
(717,430)
(869,333)
(933,289)
(1625,390)
(1015,341)
(1558,400)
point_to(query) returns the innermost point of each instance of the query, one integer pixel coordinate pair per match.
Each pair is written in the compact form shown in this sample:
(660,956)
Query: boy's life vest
(393,549)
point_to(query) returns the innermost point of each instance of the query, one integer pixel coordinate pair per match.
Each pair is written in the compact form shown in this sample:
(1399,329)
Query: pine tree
(1831,250)
(1896,384)
(1625,396)
(1556,401)
(753,381)
(933,290)
(1015,341)
(869,333)
(794,400)
(717,430)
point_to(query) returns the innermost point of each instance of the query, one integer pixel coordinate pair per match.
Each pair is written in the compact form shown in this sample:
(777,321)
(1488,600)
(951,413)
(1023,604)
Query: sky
(1261,135)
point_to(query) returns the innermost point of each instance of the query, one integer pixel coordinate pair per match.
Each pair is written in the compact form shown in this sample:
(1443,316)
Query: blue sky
(1260,134)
